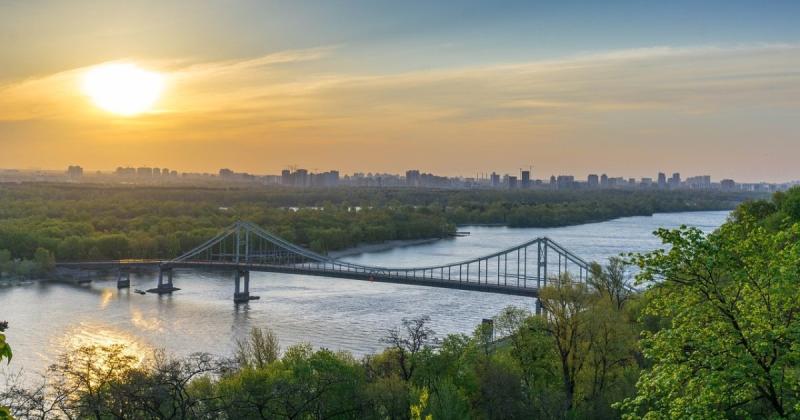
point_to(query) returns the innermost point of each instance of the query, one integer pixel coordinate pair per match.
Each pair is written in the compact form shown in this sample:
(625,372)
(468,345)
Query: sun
(123,89)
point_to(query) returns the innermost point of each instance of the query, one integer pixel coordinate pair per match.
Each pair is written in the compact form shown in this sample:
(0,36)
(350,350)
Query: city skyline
(571,88)
(523,174)
(300,177)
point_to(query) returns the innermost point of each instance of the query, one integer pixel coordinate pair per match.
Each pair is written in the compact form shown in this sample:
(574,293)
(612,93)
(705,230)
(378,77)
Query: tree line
(86,222)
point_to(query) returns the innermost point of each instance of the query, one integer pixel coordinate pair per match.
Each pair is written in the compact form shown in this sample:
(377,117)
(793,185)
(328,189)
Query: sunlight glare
(123,89)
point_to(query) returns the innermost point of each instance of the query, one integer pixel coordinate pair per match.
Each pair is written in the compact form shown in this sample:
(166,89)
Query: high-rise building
(727,184)
(675,181)
(495,180)
(412,178)
(565,181)
(662,179)
(301,178)
(286,177)
(604,180)
(512,182)
(526,179)
(74,171)
(592,181)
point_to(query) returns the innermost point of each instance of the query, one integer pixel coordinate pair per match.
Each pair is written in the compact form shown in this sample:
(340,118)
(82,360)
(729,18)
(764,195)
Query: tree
(567,305)
(612,281)
(5,261)
(84,380)
(5,349)
(5,352)
(44,259)
(731,346)
(408,342)
(258,350)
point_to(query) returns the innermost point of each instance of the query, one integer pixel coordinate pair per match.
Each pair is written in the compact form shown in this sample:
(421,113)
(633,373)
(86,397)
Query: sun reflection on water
(101,335)
(106,295)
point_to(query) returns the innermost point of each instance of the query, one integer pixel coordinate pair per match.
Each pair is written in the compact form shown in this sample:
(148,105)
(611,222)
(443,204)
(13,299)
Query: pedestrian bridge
(521,270)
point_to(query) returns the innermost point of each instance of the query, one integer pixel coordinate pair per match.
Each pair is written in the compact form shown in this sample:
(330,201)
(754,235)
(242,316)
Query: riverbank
(383,246)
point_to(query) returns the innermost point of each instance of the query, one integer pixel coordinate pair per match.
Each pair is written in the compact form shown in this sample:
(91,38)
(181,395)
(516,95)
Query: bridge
(243,247)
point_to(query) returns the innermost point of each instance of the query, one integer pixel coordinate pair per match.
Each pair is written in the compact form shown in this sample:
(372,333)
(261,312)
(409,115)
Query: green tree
(567,305)
(44,259)
(5,262)
(258,350)
(730,348)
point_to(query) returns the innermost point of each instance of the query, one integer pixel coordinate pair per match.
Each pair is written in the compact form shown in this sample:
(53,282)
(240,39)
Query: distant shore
(383,246)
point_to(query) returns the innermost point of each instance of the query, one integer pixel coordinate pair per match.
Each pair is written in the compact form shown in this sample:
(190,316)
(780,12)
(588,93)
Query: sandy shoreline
(383,246)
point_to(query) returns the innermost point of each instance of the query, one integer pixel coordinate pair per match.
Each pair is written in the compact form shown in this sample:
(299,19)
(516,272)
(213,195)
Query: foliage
(5,349)
(5,352)
(731,301)
(259,349)
(85,221)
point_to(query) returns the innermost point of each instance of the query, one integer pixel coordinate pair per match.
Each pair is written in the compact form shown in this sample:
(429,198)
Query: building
(125,171)
(604,180)
(144,171)
(675,181)
(512,182)
(699,182)
(74,171)
(565,181)
(662,179)
(412,178)
(727,184)
(526,179)
(592,181)
(495,180)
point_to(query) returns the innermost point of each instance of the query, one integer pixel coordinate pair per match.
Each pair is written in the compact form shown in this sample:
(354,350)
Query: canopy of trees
(81,222)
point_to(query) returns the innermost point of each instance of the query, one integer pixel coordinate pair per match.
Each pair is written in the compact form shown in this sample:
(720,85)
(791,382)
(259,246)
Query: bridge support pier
(242,295)
(164,286)
(123,278)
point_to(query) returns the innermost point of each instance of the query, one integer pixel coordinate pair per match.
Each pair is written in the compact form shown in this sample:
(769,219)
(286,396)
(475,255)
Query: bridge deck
(244,247)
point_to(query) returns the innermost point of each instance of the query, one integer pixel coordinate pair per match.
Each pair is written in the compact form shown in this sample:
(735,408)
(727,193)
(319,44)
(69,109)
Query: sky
(628,88)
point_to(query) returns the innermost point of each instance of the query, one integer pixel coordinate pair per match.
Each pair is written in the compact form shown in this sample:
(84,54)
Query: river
(47,318)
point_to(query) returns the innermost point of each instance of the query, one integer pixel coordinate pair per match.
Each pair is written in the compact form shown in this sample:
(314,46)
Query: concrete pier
(164,286)
(123,278)
(242,295)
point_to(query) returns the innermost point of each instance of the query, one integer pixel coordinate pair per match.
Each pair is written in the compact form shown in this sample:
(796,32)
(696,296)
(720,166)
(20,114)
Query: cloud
(283,103)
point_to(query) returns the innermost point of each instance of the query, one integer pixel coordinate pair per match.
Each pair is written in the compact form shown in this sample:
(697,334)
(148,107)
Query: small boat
(139,291)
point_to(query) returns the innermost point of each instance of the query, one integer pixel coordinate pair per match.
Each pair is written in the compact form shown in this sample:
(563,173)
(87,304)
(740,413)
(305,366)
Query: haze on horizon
(621,87)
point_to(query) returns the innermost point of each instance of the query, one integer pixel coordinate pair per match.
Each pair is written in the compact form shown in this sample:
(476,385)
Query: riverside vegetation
(75,222)
(711,331)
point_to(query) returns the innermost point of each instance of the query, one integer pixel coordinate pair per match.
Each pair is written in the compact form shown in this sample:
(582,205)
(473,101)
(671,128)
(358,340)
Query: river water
(48,318)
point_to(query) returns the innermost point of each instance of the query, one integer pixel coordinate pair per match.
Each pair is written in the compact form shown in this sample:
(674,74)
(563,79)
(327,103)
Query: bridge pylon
(123,278)
(164,286)
(242,295)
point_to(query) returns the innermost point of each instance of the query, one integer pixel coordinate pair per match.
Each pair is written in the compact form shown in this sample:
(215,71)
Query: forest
(706,328)
(75,222)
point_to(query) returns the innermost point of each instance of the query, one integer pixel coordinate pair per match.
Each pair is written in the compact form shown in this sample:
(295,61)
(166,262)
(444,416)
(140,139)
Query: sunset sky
(628,88)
